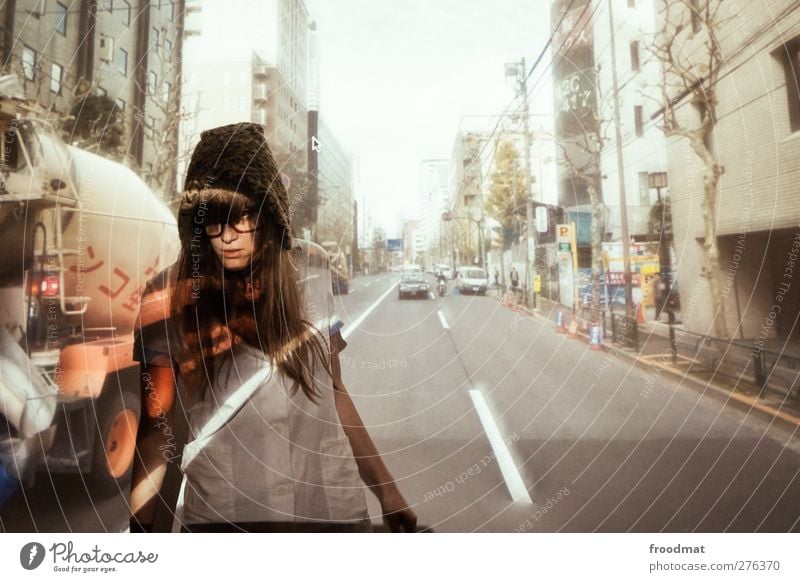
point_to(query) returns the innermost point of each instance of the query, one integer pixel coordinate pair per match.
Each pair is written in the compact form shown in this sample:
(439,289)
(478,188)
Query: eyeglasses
(246,224)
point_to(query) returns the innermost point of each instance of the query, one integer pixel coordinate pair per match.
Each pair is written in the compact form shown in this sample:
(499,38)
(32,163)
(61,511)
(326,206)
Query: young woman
(241,331)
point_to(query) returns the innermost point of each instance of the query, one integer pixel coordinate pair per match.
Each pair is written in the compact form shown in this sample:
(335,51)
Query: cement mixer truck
(80,236)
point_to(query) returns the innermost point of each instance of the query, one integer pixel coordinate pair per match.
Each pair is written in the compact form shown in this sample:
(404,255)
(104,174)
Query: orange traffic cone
(560,328)
(596,338)
(572,331)
(639,313)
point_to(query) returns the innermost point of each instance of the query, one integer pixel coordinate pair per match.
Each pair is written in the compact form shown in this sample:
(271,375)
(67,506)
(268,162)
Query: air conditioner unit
(106,48)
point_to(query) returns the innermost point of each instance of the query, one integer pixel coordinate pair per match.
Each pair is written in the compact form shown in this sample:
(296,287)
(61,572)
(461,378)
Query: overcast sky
(396,77)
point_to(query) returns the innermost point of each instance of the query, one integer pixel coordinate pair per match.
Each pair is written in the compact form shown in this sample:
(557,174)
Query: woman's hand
(397,515)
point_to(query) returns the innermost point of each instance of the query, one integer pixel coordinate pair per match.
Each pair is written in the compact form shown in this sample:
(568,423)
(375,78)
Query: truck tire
(118,409)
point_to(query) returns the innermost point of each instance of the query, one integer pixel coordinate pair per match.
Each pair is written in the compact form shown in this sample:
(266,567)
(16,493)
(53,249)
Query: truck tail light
(47,285)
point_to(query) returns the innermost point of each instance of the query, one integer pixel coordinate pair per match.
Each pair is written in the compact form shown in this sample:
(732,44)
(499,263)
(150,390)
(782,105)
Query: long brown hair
(261,305)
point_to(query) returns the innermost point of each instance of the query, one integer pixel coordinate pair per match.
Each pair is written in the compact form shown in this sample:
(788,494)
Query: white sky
(396,77)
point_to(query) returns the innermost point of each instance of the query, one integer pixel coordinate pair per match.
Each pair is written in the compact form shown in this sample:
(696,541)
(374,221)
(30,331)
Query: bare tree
(687,45)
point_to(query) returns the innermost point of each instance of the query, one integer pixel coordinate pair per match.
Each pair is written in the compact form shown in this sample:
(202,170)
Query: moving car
(414,285)
(472,280)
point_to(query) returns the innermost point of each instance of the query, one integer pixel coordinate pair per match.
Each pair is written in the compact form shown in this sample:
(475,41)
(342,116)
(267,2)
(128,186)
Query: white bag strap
(224,413)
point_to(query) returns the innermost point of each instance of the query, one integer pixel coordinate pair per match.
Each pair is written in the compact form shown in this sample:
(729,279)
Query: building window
(635,55)
(166,91)
(61,18)
(154,39)
(790,55)
(171,11)
(28,63)
(638,120)
(101,92)
(38,8)
(697,22)
(120,104)
(56,75)
(122,61)
(167,48)
(152,83)
(125,12)
(110,5)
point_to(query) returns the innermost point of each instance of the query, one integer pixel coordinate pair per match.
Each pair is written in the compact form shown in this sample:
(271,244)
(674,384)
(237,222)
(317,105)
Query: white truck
(80,236)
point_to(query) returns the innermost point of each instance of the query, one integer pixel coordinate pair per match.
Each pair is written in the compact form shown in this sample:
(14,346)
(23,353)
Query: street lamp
(657,181)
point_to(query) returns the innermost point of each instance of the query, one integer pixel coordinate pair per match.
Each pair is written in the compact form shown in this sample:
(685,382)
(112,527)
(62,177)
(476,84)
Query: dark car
(340,283)
(413,285)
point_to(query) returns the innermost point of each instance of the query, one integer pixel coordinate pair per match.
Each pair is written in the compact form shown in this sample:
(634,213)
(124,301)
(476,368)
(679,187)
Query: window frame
(126,14)
(152,83)
(33,64)
(638,120)
(123,69)
(636,60)
(53,67)
(60,25)
(789,54)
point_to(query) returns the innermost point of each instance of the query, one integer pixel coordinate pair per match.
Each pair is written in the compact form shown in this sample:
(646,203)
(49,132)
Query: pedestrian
(241,332)
(514,276)
(496,277)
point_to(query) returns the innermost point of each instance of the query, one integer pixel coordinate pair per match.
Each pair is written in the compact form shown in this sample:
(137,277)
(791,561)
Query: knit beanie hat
(237,158)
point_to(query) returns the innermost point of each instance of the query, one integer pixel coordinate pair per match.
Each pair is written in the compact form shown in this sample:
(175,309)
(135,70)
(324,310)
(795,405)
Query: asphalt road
(491,421)
(596,443)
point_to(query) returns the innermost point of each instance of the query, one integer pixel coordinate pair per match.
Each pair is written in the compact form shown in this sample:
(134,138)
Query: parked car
(414,285)
(339,282)
(472,280)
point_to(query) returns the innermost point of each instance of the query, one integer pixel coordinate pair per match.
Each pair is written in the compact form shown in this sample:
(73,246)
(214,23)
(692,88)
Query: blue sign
(394,245)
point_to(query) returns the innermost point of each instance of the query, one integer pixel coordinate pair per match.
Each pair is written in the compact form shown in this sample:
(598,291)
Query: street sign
(394,245)
(541,219)
(564,233)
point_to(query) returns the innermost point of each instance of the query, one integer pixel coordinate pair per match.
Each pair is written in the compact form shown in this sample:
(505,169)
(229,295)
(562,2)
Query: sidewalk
(654,353)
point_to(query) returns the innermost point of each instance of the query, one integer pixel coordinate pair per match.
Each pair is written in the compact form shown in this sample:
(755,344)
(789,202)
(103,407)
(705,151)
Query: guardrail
(771,369)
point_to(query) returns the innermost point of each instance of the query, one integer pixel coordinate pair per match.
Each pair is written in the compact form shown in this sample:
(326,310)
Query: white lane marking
(367,284)
(432,295)
(351,290)
(352,327)
(514,483)
(442,319)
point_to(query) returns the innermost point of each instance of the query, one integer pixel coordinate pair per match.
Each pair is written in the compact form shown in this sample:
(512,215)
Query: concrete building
(465,213)
(432,203)
(128,50)
(335,215)
(254,68)
(643,142)
(756,142)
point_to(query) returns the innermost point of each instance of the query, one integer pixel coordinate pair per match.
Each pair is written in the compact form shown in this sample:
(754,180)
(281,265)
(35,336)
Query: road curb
(742,402)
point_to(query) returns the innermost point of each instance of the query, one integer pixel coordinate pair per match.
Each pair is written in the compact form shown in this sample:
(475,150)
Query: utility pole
(626,253)
(522,92)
